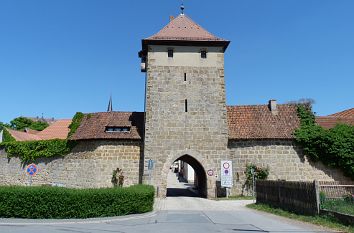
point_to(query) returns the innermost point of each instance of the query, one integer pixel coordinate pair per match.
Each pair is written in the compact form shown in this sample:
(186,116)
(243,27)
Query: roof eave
(209,43)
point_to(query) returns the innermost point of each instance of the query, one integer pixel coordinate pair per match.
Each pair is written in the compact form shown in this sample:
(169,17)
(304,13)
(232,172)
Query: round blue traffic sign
(32,169)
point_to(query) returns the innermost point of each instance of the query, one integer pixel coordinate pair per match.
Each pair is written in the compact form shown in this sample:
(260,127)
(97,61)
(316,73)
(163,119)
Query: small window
(203,54)
(170,53)
(113,129)
(185,106)
(185,76)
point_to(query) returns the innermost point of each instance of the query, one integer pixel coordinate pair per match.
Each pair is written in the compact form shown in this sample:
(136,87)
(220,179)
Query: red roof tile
(349,113)
(57,130)
(93,126)
(258,122)
(184,28)
(328,122)
(23,136)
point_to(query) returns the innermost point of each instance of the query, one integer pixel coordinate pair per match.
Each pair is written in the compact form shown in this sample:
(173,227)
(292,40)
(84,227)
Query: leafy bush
(258,172)
(7,137)
(55,202)
(334,147)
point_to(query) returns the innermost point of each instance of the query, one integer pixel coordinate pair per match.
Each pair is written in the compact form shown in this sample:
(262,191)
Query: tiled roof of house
(258,122)
(328,122)
(349,113)
(184,28)
(57,130)
(344,117)
(23,136)
(93,126)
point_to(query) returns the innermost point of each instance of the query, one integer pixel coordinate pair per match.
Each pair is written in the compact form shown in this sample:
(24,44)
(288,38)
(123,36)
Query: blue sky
(62,56)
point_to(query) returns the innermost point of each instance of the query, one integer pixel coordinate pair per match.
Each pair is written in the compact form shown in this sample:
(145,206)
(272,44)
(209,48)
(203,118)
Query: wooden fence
(298,197)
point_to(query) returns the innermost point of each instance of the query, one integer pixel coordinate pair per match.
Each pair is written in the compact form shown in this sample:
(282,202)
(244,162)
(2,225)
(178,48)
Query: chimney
(171,18)
(273,107)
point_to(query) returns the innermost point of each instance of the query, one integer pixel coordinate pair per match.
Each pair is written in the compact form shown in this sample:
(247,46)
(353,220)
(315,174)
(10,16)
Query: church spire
(110,107)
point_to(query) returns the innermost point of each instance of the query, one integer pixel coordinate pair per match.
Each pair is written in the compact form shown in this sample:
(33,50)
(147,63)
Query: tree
(20,123)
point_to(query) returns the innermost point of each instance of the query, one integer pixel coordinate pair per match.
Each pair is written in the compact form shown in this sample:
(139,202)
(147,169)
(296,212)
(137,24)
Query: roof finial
(182,9)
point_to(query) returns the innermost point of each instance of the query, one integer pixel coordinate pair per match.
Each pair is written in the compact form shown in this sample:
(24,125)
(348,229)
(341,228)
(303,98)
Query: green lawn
(341,206)
(325,221)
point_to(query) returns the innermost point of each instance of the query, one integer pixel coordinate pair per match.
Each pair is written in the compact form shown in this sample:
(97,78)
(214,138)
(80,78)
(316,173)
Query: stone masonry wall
(284,159)
(90,165)
(170,132)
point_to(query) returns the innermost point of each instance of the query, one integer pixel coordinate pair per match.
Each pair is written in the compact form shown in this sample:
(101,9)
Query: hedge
(59,202)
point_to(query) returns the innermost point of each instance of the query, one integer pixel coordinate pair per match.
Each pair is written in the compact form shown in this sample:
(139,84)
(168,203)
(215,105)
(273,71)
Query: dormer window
(113,129)
(170,52)
(203,54)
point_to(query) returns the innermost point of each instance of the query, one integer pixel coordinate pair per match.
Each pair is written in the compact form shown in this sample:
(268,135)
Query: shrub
(56,202)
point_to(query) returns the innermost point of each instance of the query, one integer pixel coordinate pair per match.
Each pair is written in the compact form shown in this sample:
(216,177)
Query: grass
(341,206)
(325,221)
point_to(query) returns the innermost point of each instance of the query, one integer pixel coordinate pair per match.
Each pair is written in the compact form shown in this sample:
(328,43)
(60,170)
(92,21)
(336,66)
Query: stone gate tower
(185,109)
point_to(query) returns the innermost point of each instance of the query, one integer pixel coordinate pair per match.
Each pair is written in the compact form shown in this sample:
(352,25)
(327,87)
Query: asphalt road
(173,214)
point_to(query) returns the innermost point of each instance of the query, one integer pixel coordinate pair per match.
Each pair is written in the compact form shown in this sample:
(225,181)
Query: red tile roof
(57,130)
(258,122)
(184,28)
(184,31)
(349,113)
(93,126)
(23,136)
(328,122)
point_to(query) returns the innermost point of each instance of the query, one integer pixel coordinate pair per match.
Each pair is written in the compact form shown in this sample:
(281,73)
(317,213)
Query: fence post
(317,192)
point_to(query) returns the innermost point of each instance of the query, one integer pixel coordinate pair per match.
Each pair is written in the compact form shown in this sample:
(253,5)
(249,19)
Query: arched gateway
(185,110)
(200,178)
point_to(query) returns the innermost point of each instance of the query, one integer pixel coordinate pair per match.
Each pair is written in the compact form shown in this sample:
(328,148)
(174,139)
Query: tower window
(185,106)
(170,52)
(185,76)
(203,54)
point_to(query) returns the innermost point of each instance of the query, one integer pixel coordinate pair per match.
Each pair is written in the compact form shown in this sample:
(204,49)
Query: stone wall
(284,159)
(90,165)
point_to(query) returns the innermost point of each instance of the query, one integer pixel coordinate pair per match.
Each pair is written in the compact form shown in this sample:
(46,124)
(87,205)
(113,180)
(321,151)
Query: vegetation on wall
(55,202)
(29,151)
(75,123)
(334,147)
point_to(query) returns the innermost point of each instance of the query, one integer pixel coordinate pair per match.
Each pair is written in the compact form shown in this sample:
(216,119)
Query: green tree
(20,123)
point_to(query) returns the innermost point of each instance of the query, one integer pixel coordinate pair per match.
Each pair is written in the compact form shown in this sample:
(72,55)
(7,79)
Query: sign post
(226,175)
(31,170)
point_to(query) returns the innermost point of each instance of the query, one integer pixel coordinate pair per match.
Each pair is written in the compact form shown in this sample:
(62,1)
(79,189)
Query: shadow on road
(180,192)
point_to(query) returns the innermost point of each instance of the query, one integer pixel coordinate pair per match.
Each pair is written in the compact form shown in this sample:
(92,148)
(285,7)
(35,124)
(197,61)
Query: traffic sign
(150,164)
(210,172)
(32,169)
(226,174)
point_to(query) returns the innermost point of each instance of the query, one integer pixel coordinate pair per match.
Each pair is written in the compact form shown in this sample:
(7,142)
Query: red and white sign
(226,174)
